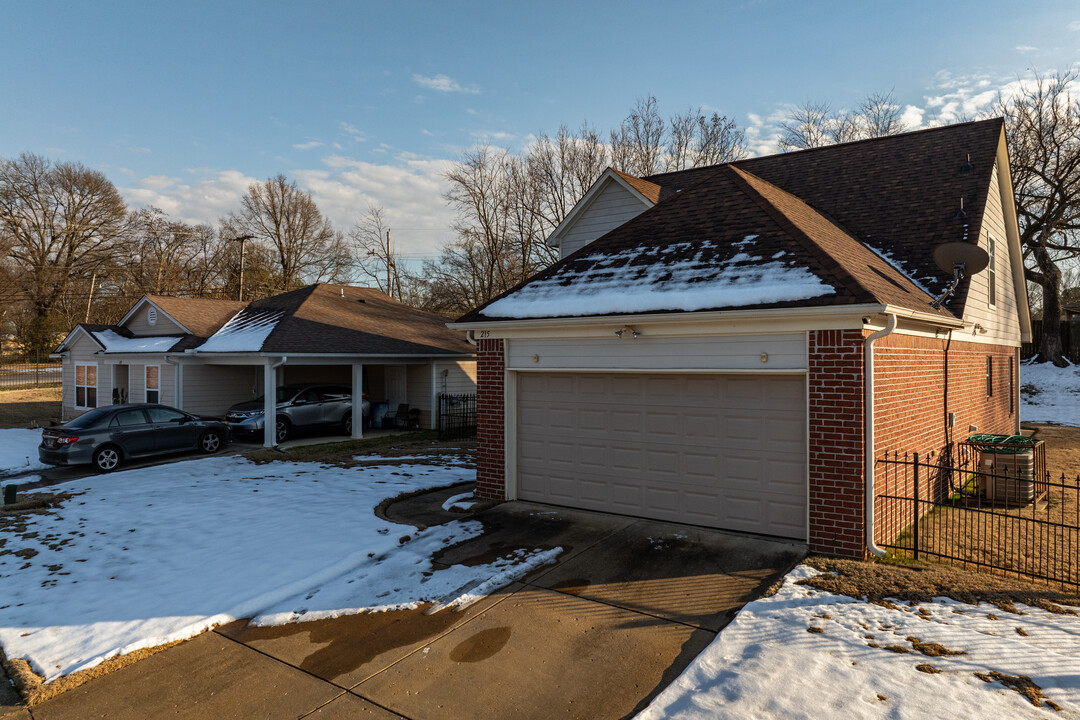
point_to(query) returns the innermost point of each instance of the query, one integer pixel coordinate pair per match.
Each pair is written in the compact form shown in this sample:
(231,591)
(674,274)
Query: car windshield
(284,394)
(87,419)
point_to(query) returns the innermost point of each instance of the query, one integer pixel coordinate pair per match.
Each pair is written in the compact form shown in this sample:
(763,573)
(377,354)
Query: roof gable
(200,317)
(645,192)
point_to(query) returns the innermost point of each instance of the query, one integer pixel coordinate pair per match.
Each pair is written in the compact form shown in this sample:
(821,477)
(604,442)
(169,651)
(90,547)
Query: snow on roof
(616,283)
(244,332)
(113,342)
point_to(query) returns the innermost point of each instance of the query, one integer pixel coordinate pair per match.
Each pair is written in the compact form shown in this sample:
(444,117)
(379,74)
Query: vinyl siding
(1002,321)
(460,379)
(735,352)
(137,382)
(82,351)
(139,325)
(213,389)
(612,207)
(418,392)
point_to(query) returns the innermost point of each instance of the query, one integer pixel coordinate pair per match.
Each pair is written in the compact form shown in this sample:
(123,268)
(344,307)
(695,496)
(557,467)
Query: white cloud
(210,196)
(309,145)
(1074,25)
(409,188)
(442,83)
(356,133)
(1026,48)
(492,136)
(912,117)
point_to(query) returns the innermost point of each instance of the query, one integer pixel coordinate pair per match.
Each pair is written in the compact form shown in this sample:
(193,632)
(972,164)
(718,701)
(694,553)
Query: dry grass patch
(382,449)
(918,583)
(39,407)
(33,690)
(1021,684)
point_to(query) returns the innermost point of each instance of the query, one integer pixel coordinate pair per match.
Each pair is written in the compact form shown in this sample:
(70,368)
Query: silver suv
(298,406)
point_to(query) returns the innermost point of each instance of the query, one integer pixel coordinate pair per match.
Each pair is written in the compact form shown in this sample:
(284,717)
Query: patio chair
(398,419)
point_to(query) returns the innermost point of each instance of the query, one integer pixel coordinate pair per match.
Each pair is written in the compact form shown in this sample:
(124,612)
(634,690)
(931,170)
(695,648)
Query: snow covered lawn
(1050,394)
(18,451)
(807,653)
(143,557)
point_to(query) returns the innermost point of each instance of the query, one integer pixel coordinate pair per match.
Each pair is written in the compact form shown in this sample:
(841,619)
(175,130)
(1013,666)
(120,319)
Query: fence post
(916,525)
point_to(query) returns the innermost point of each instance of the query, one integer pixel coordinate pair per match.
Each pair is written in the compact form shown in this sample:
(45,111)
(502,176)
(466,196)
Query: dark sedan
(109,436)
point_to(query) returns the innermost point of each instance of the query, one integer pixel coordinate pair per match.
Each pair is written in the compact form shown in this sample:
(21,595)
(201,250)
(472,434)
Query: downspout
(868,433)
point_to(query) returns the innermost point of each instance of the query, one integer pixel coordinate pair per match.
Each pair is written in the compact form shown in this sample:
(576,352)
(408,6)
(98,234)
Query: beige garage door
(726,451)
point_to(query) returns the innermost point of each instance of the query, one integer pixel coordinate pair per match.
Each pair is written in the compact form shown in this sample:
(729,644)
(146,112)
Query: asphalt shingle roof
(863,217)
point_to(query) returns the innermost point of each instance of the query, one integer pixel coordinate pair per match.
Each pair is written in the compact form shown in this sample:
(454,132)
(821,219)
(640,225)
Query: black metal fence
(457,416)
(24,375)
(1002,514)
(1070,341)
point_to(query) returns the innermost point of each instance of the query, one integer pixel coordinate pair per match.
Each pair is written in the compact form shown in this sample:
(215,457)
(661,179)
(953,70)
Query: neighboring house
(206,355)
(703,350)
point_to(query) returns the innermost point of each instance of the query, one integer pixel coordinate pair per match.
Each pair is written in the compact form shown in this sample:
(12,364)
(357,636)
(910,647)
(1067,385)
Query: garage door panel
(718,450)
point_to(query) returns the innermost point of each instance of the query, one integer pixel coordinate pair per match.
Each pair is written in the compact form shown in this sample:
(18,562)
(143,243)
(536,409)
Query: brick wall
(911,409)
(490,423)
(835,386)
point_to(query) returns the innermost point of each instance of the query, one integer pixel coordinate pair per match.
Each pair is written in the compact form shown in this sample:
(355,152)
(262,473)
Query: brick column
(490,420)
(837,497)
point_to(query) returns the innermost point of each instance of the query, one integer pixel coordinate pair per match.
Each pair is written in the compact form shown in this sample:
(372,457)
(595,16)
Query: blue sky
(183,104)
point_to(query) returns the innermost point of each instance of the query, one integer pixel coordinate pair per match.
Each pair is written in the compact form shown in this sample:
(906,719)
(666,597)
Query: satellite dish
(972,257)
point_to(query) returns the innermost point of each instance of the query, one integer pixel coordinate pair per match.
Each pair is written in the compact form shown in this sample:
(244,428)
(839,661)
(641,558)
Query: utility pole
(90,299)
(389,266)
(243,245)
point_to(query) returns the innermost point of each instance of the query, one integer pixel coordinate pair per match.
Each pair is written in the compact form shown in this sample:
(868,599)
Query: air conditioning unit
(1007,477)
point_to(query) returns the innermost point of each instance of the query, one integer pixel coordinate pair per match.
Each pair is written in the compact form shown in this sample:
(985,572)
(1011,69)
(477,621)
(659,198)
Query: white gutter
(868,434)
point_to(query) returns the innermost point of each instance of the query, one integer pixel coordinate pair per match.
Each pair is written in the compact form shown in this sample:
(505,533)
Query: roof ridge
(824,258)
(838,258)
(650,190)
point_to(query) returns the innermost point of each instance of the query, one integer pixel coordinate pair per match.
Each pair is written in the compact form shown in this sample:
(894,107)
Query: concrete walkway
(597,635)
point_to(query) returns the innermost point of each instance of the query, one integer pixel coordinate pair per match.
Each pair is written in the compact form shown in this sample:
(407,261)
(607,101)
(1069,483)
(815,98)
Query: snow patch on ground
(464,501)
(147,556)
(629,282)
(18,451)
(769,663)
(1050,394)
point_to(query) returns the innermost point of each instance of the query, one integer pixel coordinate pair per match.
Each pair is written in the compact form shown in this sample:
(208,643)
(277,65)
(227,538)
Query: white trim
(606,177)
(510,417)
(434,402)
(71,337)
(661,371)
(806,386)
(1012,234)
(75,387)
(146,388)
(143,300)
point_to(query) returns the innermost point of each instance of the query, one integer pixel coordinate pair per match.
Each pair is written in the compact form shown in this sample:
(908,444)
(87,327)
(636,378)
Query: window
(127,418)
(153,383)
(85,385)
(1012,386)
(165,415)
(991,272)
(989,376)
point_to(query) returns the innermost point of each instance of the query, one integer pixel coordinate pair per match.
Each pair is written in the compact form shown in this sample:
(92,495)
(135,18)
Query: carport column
(270,403)
(357,401)
(178,385)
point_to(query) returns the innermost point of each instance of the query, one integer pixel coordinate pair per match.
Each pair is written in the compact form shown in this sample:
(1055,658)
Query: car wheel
(346,424)
(210,442)
(107,458)
(281,430)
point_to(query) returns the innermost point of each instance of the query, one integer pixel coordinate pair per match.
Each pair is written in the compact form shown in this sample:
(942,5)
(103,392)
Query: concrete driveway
(597,635)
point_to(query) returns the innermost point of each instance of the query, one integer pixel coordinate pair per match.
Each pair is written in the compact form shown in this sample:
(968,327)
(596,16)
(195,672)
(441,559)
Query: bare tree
(1042,120)
(375,257)
(61,221)
(286,219)
(816,124)
(696,140)
(638,143)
